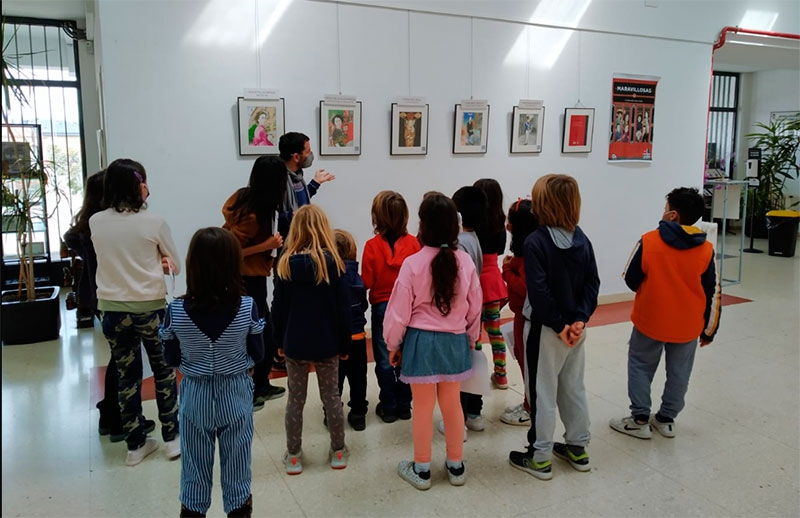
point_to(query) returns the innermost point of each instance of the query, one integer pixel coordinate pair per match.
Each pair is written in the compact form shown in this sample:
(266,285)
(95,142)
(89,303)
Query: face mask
(308,161)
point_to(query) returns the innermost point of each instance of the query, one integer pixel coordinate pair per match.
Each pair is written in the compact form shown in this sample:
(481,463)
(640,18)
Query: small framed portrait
(471,129)
(527,129)
(340,128)
(409,129)
(578,130)
(261,124)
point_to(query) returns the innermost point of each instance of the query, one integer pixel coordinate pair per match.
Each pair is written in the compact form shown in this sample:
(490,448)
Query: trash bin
(782,227)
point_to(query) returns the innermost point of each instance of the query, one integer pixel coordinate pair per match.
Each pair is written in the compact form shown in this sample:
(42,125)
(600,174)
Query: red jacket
(514,275)
(380,264)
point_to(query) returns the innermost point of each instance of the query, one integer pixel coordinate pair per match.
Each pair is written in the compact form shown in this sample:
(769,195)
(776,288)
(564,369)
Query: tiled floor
(737,452)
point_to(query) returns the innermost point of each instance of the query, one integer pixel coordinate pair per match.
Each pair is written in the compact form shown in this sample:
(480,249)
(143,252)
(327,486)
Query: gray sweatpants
(559,381)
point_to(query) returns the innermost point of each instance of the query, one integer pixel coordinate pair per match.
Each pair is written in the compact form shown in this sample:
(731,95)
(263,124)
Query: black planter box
(29,322)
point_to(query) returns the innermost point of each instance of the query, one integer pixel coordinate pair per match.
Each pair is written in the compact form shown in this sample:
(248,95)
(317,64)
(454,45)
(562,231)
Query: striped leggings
(491,322)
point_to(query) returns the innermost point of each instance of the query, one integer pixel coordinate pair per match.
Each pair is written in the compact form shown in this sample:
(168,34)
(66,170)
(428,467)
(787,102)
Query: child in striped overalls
(214,334)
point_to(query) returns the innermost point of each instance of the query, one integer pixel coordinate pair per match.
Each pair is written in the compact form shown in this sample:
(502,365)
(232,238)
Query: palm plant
(24,176)
(779,141)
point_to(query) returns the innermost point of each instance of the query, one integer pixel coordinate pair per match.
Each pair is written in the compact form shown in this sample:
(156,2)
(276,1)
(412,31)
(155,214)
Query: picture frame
(527,129)
(578,131)
(261,124)
(339,128)
(470,129)
(409,129)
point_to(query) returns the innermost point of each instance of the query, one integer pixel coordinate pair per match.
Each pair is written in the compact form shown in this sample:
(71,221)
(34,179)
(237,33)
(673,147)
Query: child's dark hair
(438,227)
(390,214)
(264,193)
(688,203)
(472,205)
(522,222)
(122,186)
(213,275)
(291,143)
(495,217)
(345,244)
(92,202)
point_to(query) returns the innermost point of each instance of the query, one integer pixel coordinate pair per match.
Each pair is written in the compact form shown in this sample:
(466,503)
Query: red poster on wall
(577,130)
(633,101)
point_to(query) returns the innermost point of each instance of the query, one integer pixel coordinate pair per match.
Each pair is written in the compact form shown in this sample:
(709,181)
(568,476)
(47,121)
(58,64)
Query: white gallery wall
(172,72)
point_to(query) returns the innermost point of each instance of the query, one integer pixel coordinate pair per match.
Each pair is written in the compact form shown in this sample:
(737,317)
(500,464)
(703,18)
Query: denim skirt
(433,356)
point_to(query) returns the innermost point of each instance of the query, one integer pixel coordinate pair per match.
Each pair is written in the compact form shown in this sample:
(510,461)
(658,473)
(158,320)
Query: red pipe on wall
(719,43)
(724,33)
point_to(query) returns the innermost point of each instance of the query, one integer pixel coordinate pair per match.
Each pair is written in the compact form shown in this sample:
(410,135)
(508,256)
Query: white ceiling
(741,52)
(49,9)
(752,53)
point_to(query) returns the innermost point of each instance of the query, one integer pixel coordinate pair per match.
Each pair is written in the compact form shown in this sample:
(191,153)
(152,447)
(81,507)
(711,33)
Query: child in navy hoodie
(355,367)
(311,322)
(563,284)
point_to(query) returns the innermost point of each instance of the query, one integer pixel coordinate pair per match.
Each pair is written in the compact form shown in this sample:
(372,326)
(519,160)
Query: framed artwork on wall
(578,130)
(409,129)
(527,129)
(340,128)
(471,127)
(261,124)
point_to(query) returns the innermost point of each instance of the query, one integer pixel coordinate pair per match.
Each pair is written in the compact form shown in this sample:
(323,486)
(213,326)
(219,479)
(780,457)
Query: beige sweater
(129,248)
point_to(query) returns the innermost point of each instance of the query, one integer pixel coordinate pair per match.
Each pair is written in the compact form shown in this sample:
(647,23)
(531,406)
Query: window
(43,57)
(722,124)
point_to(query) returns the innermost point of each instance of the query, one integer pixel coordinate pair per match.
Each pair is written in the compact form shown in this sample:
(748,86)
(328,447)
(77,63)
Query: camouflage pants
(125,332)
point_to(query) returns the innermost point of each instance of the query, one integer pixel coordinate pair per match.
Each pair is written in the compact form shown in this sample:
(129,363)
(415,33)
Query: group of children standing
(428,293)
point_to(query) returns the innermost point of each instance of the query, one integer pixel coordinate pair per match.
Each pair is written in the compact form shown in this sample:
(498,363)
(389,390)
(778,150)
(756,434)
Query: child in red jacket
(521,222)
(380,264)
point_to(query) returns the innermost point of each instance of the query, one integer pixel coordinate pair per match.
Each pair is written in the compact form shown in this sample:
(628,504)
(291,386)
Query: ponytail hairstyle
(122,189)
(438,226)
(522,222)
(310,233)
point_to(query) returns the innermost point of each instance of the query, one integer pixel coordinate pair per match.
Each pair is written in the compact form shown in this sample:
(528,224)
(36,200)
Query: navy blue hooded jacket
(311,321)
(563,283)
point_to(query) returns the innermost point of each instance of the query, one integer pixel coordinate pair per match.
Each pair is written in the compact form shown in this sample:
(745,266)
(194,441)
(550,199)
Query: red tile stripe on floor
(614,313)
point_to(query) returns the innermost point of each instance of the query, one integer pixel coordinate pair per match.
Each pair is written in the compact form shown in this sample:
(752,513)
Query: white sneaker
(510,409)
(629,426)
(518,416)
(476,424)
(339,458)
(173,448)
(136,456)
(665,429)
(292,463)
(440,428)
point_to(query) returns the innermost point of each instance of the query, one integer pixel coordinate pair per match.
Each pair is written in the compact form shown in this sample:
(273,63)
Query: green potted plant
(30,313)
(779,141)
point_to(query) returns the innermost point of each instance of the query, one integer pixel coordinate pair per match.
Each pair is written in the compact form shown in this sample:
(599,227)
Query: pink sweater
(411,303)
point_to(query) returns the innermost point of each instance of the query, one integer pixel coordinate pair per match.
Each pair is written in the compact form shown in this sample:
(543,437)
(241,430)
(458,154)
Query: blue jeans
(644,354)
(394,394)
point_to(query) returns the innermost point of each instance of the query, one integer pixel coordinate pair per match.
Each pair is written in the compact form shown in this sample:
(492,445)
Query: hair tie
(444,245)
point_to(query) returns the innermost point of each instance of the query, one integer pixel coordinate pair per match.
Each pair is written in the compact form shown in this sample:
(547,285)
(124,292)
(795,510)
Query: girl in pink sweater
(431,323)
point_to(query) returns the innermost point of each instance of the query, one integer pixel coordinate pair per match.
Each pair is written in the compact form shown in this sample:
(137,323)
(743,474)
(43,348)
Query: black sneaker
(523,460)
(575,455)
(387,417)
(357,421)
(404,414)
(118,435)
(271,392)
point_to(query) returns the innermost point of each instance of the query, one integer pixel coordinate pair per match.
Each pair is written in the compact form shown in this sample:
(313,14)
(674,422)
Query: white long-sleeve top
(130,246)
